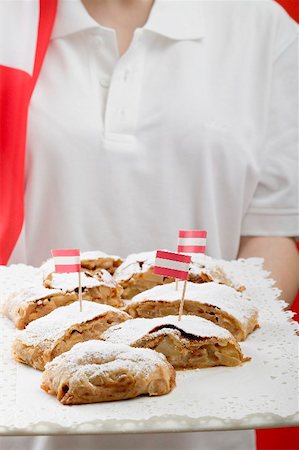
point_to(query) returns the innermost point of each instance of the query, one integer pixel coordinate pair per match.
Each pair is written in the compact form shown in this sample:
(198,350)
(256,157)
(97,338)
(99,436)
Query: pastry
(136,275)
(189,343)
(97,371)
(221,304)
(96,260)
(204,269)
(16,277)
(56,333)
(33,302)
(99,287)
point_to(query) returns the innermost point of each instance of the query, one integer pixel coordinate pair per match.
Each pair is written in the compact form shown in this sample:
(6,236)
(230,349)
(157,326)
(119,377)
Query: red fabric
(292,7)
(16,87)
(278,439)
(14,99)
(48,9)
(295,306)
(282,438)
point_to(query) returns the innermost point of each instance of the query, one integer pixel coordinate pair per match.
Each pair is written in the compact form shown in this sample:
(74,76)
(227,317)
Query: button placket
(123,96)
(103,57)
(126,74)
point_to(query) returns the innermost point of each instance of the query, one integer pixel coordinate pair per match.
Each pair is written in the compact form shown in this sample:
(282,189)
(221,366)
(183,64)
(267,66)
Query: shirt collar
(175,19)
(72,17)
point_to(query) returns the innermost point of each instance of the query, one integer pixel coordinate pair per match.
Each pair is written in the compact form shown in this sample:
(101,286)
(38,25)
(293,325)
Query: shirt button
(126,74)
(97,41)
(105,82)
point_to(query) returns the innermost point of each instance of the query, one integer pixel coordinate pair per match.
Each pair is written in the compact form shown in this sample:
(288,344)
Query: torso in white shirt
(122,152)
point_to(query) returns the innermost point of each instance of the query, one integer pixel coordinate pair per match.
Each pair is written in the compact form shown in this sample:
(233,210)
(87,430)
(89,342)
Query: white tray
(260,394)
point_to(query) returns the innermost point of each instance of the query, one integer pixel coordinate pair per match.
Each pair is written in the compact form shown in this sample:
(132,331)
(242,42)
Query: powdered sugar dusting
(47,268)
(214,268)
(200,264)
(219,295)
(70,281)
(131,331)
(53,326)
(135,263)
(16,277)
(99,358)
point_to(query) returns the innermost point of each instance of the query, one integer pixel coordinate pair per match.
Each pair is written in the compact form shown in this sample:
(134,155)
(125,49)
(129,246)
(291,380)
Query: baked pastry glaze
(189,343)
(56,333)
(98,371)
(218,303)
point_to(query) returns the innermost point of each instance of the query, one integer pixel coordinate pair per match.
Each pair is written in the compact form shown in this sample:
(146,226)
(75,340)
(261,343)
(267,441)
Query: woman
(150,116)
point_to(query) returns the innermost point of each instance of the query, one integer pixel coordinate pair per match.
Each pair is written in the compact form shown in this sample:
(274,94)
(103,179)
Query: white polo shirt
(195,126)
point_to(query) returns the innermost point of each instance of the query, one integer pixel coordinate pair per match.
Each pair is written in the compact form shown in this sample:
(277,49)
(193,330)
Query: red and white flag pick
(170,264)
(192,241)
(176,265)
(66,261)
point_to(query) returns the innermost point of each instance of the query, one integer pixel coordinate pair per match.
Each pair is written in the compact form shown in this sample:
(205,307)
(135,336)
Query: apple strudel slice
(99,287)
(96,260)
(189,343)
(97,371)
(33,302)
(59,331)
(218,303)
(136,275)
(16,277)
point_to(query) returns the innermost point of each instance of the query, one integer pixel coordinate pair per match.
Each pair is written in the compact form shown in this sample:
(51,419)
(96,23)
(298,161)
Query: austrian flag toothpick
(68,260)
(192,241)
(170,264)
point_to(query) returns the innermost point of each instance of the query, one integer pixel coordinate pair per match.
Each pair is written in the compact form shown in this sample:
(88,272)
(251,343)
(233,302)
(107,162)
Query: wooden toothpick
(182,300)
(80,291)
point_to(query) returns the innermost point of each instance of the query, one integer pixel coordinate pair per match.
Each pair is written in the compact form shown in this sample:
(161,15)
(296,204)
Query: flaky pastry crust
(189,343)
(235,314)
(59,331)
(96,371)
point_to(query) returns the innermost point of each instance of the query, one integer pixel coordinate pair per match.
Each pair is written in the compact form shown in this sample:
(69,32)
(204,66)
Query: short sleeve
(273,210)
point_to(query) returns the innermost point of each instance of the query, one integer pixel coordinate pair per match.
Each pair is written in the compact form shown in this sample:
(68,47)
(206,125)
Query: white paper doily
(261,393)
